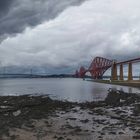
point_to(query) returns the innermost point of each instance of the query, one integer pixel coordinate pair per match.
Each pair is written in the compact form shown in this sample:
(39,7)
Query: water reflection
(70,89)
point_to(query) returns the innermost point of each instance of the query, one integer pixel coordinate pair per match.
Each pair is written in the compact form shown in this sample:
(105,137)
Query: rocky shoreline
(40,118)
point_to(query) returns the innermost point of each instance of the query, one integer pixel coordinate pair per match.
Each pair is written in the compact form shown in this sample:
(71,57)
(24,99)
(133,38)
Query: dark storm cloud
(16,15)
(109,29)
(5,6)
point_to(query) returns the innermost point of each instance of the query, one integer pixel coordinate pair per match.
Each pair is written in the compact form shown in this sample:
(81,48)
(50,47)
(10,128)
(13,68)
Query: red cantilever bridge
(100,65)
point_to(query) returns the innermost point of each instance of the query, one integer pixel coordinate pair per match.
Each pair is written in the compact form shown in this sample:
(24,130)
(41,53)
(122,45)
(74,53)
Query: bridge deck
(128,61)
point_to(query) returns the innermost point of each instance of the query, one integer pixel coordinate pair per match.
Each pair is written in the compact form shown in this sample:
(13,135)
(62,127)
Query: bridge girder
(97,68)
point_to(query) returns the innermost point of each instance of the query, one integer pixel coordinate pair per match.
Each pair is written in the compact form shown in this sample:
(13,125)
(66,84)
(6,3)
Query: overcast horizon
(59,36)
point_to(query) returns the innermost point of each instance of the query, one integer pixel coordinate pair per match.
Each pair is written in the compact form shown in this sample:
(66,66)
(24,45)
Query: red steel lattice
(82,72)
(97,68)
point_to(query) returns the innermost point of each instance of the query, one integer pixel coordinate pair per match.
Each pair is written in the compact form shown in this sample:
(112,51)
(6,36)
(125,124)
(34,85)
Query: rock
(113,115)
(60,138)
(137,108)
(3,107)
(122,101)
(133,129)
(114,133)
(17,113)
(102,133)
(84,121)
(121,133)
(78,130)
(138,131)
(136,137)
(55,137)
(71,119)
(100,137)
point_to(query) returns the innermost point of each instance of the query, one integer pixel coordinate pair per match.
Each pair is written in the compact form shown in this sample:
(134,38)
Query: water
(69,88)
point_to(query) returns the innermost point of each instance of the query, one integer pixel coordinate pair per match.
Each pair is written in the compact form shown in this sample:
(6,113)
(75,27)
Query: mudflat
(42,118)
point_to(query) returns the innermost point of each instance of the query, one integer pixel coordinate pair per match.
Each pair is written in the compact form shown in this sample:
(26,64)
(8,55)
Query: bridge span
(100,65)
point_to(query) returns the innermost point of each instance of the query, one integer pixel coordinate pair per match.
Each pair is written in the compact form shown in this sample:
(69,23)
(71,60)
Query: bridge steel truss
(100,65)
(97,68)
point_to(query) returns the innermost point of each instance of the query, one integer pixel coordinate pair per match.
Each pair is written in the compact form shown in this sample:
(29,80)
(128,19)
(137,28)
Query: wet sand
(41,118)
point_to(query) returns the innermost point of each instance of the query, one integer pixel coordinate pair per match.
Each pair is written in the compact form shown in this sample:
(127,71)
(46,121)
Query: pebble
(17,113)
(136,137)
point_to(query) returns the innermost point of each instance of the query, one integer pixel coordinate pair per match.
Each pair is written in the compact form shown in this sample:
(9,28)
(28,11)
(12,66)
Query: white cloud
(106,28)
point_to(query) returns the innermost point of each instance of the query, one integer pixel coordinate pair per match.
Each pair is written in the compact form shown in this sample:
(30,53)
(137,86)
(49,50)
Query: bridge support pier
(130,77)
(114,72)
(121,72)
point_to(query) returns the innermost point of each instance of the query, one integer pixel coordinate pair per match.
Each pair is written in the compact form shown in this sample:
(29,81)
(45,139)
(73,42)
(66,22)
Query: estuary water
(70,89)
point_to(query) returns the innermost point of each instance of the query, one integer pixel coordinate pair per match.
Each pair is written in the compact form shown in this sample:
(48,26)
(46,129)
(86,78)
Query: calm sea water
(66,88)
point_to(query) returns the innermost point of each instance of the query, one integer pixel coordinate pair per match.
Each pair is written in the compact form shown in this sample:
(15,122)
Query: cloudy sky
(63,34)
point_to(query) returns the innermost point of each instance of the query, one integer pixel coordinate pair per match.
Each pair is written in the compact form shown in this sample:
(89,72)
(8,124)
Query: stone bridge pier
(120,77)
